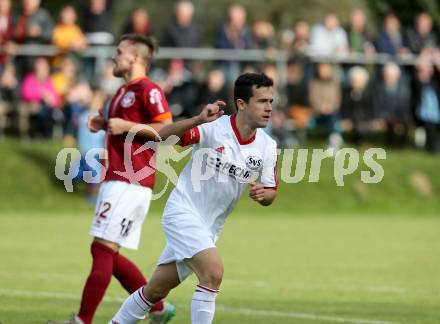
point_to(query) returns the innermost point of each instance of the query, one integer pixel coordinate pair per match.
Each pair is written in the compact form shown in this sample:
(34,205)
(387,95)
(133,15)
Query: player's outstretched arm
(264,196)
(208,114)
(118,126)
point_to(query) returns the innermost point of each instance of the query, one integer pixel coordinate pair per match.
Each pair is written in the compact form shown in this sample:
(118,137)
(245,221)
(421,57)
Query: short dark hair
(149,41)
(243,87)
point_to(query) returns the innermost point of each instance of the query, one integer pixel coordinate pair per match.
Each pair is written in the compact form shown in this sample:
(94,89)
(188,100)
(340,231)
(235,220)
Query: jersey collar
(136,80)
(237,133)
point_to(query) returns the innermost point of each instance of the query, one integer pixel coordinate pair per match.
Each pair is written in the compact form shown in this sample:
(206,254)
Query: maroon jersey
(140,101)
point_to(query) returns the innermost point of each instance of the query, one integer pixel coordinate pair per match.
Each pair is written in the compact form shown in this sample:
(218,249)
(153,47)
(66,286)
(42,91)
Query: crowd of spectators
(45,97)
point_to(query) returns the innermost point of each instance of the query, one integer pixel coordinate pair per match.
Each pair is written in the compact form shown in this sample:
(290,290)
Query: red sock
(130,277)
(97,282)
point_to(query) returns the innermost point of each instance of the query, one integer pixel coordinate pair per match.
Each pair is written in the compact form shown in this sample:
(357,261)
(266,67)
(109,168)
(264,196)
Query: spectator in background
(280,126)
(392,105)
(67,35)
(96,20)
(64,77)
(88,140)
(213,89)
(96,26)
(328,38)
(179,88)
(39,99)
(263,38)
(233,34)
(427,102)
(77,101)
(421,38)
(139,23)
(301,40)
(8,94)
(300,69)
(297,39)
(182,31)
(64,80)
(271,71)
(299,72)
(6,31)
(281,131)
(325,101)
(357,109)
(390,39)
(263,35)
(359,38)
(296,88)
(297,97)
(33,24)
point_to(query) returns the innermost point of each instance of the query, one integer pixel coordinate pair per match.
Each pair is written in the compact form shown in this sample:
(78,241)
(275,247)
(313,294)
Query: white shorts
(186,236)
(120,212)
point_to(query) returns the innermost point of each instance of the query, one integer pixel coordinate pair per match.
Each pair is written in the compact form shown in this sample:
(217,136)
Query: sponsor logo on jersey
(220,149)
(128,99)
(230,169)
(254,163)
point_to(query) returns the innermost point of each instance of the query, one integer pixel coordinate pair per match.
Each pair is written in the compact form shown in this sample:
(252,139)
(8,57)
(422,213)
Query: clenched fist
(211,112)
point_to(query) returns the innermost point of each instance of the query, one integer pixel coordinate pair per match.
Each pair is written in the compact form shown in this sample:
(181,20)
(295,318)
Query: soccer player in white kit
(229,153)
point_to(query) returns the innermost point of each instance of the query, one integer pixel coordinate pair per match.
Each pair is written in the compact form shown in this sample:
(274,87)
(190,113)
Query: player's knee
(213,277)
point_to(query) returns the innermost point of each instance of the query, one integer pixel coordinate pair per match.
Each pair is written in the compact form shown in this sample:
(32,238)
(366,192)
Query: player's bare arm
(262,195)
(118,126)
(209,113)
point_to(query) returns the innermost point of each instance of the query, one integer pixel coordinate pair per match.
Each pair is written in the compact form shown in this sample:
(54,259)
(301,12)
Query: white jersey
(221,167)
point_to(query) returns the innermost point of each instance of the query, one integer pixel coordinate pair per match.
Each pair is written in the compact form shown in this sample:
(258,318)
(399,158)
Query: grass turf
(303,269)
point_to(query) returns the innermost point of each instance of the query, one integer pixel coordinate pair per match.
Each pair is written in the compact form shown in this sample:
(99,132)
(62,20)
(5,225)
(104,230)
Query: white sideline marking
(306,316)
(233,310)
(256,283)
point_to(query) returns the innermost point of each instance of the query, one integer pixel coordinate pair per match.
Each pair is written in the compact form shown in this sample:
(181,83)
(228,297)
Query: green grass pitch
(278,269)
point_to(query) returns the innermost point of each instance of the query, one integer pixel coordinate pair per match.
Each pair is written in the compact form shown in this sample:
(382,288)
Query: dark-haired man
(124,196)
(230,152)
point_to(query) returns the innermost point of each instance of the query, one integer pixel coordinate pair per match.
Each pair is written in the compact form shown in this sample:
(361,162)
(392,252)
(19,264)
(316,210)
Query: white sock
(134,309)
(203,305)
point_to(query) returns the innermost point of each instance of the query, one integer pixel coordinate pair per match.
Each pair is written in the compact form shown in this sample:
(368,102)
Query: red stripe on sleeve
(275,174)
(190,137)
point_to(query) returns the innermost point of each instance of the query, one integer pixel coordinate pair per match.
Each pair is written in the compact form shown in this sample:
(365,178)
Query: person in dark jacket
(390,39)
(421,37)
(392,105)
(233,34)
(357,103)
(182,31)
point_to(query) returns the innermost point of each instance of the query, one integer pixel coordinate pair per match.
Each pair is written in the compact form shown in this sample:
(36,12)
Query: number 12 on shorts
(102,210)
(125,227)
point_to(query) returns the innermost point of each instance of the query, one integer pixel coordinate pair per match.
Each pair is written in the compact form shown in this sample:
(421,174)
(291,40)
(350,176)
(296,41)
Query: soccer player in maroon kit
(126,191)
